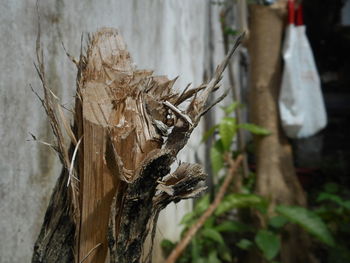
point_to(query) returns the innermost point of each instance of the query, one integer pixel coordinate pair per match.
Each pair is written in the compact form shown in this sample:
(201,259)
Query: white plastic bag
(301,104)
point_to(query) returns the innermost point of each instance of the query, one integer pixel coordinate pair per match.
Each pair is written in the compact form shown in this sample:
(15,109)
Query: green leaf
(225,253)
(202,204)
(216,157)
(200,260)
(230,31)
(329,197)
(244,244)
(331,188)
(209,133)
(346,204)
(167,246)
(213,235)
(166,243)
(233,226)
(232,107)
(232,201)
(227,130)
(278,221)
(255,129)
(268,243)
(322,211)
(188,218)
(308,220)
(213,257)
(324,196)
(209,222)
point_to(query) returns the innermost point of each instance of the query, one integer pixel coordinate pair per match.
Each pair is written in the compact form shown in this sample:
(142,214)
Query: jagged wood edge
(127,246)
(56,239)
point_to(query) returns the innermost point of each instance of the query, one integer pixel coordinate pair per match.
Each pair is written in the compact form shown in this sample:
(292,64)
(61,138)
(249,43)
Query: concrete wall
(169,36)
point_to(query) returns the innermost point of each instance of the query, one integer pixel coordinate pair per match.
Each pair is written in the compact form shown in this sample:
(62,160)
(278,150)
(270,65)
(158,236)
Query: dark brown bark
(129,129)
(56,238)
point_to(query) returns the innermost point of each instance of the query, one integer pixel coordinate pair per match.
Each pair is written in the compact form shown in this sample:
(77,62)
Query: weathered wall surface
(167,36)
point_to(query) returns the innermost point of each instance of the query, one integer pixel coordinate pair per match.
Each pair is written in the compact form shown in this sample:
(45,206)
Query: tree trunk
(276,177)
(116,178)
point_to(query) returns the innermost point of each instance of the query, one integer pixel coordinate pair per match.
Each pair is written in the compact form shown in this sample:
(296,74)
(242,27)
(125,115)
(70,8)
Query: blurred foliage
(226,237)
(332,205)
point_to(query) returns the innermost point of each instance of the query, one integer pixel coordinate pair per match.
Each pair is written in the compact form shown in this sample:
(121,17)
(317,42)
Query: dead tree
(129,126)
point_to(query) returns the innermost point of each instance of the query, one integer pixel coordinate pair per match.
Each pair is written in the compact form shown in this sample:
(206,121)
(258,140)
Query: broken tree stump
(129,125)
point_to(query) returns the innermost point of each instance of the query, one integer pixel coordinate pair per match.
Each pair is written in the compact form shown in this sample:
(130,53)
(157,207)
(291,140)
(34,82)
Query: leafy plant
(224,237)
(226,131)
(208,245)
(307,219)
(268,242)
(332,206)
(232,201)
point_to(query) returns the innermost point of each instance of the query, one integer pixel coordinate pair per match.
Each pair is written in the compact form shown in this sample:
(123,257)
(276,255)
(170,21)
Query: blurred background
(173,38)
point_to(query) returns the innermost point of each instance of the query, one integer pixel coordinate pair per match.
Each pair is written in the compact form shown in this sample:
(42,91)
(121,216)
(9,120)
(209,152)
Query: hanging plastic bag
(301,104)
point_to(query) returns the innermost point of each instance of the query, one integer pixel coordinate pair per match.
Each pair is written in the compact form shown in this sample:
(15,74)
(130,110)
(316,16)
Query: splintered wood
(132,126)
(114,118)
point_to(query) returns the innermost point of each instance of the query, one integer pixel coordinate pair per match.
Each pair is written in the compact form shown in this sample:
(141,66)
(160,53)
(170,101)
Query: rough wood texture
(132,126)
(56,238)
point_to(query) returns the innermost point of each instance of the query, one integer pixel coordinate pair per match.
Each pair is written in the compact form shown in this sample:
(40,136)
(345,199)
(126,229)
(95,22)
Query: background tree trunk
(276,177)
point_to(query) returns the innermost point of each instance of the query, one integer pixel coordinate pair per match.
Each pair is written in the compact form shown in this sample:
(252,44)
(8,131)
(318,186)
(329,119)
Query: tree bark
(276,177)
(129,127)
